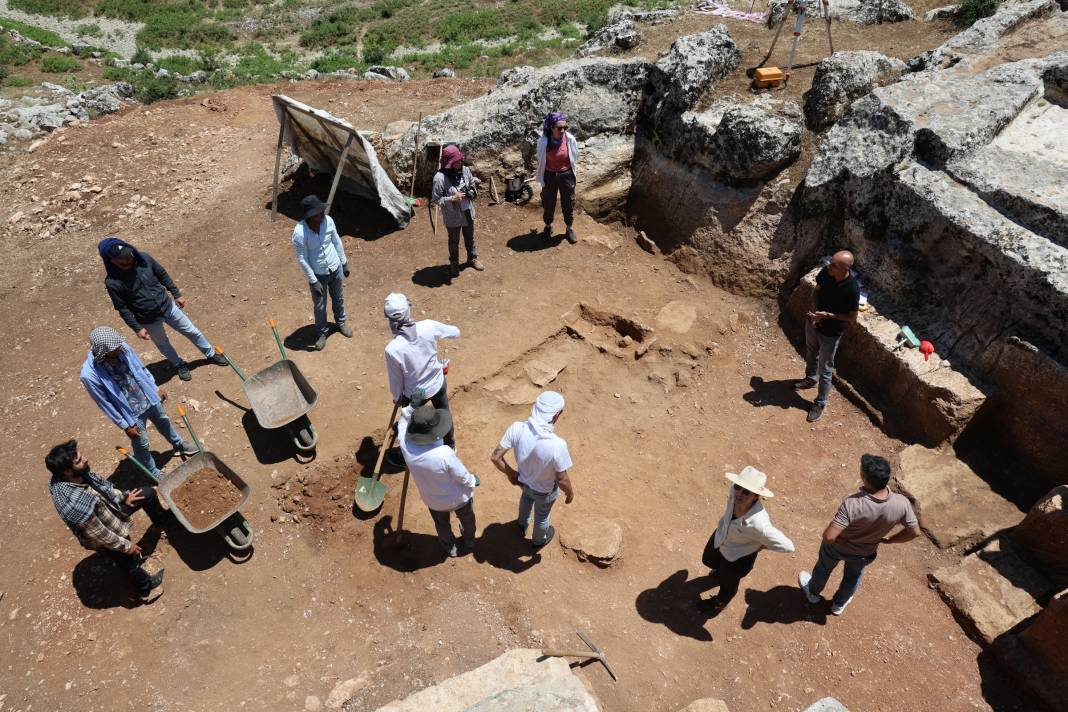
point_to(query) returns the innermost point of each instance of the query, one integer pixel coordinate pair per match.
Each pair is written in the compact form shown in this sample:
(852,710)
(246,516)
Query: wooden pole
(493,191)
(338,172)
(415,157)
(277,167)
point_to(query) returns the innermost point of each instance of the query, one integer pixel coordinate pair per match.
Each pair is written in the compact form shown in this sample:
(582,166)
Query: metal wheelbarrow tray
(280,394)
(171,480)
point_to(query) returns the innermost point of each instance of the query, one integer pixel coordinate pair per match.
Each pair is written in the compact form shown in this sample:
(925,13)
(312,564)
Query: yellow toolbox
(767,77)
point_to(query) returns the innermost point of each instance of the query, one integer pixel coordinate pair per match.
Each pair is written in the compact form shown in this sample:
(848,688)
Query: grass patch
(45,37)
(89,29)
(16,80)
(337,61)
(178,64)
(16,54)
(182,30)
(60,64)
(147,88)
(256,64)
(62,8)
(972,11)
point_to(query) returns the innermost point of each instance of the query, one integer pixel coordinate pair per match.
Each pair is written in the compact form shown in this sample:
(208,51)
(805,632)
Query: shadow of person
(100,584)
(781,394)
(303,338)
(197,551)
(407,553)
(503,547)
(162,371)
(367,457)
(782,604)
(433,276)
(673,604)
(532,242)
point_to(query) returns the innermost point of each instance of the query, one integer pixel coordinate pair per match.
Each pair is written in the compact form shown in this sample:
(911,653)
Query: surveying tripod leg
(793,46)
(775,39)
(827,18)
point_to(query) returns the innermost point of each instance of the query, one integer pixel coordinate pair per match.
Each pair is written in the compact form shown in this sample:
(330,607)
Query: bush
(209,59)
(45,37)
(148,88)
(337,60)
(63,8)
(181,30)
(15,80)
(141,56)
(974,10)
(16,54)
(89,29)
(59,64)
(178,64)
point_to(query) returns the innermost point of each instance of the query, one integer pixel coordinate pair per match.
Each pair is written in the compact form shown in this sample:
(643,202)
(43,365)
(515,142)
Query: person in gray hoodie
(454,192)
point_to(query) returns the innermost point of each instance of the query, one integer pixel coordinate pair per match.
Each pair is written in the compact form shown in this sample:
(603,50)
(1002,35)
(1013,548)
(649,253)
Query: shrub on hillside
(62,8)
(973,10)
(89,29)
(45,37)
(60,64)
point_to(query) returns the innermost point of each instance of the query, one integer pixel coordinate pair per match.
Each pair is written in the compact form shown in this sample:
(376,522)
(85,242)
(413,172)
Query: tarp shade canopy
(319,138)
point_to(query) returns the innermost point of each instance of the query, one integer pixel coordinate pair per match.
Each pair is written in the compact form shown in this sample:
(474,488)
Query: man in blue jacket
(147,298)
(123,388)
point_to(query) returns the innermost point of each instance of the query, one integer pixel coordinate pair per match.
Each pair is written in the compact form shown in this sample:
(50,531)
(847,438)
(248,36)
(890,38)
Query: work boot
(320,343)
(547,233)
(804,384)
(454,269)
(155,581)
(345,330)
(476,264)
(815,413)
(218,359)
(570,235)
(183,372)
(187,448)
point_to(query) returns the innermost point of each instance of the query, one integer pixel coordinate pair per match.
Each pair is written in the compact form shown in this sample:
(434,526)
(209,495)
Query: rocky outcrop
(754,143)
(612,38)
(388,73)
(864,12)
(1042,537)
(692,65)
(57,106)
(983,36)
(843,78)
(946,12)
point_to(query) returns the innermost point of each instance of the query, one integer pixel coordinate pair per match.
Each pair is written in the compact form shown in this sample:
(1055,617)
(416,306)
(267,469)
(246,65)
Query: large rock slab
(984,35)
(956,507)
(1042,537)
(517,681)
(693,64)
(613,38)
(992,590)
(843,78)
(755,143)
(593,539)
(1038,656)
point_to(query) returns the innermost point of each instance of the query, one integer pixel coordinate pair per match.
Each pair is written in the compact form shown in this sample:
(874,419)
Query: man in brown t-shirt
(861,523)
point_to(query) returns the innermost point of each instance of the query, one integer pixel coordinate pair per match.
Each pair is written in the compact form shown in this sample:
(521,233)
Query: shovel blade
(370,492)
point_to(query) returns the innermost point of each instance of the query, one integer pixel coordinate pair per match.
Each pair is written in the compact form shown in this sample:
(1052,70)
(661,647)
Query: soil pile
(205,496)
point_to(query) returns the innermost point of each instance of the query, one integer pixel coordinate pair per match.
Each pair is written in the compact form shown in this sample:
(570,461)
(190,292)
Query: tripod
(800,8)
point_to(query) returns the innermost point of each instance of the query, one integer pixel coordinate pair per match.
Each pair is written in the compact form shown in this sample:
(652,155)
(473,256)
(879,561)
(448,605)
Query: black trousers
(730,573)
(564,184)
(441,400)
(469,239)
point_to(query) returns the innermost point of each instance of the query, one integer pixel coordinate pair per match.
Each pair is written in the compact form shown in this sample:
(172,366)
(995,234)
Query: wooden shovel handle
(567,654)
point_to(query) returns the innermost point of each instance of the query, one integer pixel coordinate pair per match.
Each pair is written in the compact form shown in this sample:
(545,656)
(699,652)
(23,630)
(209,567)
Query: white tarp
(319,138)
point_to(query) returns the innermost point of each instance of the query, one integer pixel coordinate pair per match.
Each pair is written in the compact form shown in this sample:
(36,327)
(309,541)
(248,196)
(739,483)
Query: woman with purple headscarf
(454,192)
(557,155)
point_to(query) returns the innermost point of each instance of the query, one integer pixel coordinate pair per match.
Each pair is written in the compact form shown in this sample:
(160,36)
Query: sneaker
(451,552)
(815,413)
(547,233)
(218,359)
(476,264)
(187,448)
(183,373)
(802,580)
(320,343)
(454,269)
(155,581)
(570,235)
(837,610)
(804,384)
(549,534)
(345,330)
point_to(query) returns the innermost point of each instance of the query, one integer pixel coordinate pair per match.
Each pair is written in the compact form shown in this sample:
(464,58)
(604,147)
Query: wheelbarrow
(231,525)
(281,396)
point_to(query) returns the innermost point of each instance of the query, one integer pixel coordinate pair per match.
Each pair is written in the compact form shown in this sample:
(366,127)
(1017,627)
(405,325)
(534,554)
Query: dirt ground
(326,597)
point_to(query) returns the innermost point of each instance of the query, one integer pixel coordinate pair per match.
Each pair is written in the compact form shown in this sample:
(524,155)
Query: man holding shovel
(99,514)
(123,388)
(543,461)
(322,259)
(415,371)
(443,482)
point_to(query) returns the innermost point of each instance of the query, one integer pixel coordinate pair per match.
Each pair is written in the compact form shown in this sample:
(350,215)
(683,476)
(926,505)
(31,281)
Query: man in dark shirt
(142,291)
(837,302)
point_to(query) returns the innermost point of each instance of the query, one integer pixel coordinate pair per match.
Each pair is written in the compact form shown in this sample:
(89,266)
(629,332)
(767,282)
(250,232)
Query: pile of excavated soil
(205,496)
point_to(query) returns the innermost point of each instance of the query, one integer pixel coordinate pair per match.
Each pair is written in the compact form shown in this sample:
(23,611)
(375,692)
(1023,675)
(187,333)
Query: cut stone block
(992,590)
(955,505)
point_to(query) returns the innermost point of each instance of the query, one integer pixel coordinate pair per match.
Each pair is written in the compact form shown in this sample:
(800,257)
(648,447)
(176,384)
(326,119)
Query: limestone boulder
(613,38)
(754,143)
(604,166)
(1042,537)
(593,539)
(983,35)
(863,12)
(692,65)
(946,12)
(396,74)
(827,704)
(843,78)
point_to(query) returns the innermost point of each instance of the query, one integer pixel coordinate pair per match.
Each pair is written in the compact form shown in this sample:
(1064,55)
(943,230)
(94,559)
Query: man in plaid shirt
(99,514)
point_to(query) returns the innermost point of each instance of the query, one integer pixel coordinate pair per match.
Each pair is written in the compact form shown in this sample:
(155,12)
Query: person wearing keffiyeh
(557,155)
(99,514)
(542,462)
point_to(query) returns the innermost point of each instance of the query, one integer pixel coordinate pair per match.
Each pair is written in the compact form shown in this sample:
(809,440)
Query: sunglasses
(561,128)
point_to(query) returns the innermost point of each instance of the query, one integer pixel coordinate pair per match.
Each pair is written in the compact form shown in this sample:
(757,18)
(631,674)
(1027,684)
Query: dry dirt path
(325,599)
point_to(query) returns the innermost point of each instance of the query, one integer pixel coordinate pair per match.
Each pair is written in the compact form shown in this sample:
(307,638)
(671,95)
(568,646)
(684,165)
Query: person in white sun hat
(743,531)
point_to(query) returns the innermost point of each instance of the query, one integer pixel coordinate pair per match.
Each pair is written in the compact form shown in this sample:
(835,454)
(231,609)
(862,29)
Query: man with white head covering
(123,388)
(442,480)
(542,459)
(415,372)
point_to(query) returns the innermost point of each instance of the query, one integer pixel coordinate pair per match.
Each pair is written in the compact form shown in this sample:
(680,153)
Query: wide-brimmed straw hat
(752,479)
(429,424)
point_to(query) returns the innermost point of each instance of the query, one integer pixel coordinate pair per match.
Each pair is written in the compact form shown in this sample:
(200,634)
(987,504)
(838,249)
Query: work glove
(317,289)
(345,269)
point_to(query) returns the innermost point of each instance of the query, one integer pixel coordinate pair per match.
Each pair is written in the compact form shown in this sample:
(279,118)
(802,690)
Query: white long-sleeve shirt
(413,365)
(318,252)
(740,537)
(442,480)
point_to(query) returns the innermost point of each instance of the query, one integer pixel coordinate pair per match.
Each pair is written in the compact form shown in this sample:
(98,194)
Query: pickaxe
(597,654)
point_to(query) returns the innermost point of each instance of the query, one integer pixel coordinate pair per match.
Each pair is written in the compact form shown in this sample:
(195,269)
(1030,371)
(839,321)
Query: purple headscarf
(550,121)
(451,158)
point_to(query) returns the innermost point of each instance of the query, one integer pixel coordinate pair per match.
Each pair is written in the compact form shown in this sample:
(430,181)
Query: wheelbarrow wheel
(237,533)
(306,437)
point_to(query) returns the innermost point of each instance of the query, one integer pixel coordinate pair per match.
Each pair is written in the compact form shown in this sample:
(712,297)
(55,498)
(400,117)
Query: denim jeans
(469,239)
(443,525)
(177,320)
(851,573)
(819,359)
(542,504)
(159,418)
(334,285)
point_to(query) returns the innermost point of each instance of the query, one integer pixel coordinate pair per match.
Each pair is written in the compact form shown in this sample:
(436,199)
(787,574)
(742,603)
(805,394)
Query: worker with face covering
(542,460)
(454,191)
(415,372)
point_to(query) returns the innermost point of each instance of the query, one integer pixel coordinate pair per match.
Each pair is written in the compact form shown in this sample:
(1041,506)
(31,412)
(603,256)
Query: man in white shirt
(442,480)
(415,372)
(321,257)
(543,461)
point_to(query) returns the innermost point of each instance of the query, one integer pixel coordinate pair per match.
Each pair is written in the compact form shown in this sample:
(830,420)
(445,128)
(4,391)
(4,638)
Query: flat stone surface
(954,504)
(991,589)
(515,676)
(706,704)
(599,541)
(543,372)
(676,317)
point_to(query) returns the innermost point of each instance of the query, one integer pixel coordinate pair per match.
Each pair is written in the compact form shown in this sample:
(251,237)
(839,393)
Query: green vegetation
(62,8)
(45,37)
(973,10)
(338,61)
(16,54)
(15,80)
(256,64)
(89,29)
(60,64)
(181,30)
(177,64)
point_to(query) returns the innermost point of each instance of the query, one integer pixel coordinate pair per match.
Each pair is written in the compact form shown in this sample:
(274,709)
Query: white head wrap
(398,310)
(548,404)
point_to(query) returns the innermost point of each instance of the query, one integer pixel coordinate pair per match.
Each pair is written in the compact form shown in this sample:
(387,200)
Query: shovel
(371,491)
